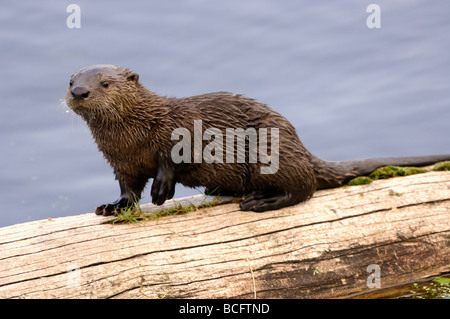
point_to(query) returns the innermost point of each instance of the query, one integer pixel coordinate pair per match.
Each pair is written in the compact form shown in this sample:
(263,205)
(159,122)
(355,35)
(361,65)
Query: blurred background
(350,91)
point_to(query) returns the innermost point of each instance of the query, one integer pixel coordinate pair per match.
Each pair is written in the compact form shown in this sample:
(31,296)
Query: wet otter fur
(132,127)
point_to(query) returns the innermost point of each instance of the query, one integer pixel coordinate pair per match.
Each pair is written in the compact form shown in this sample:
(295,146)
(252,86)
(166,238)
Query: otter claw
(259,201)
(111,209)
(163,186)
(106,210)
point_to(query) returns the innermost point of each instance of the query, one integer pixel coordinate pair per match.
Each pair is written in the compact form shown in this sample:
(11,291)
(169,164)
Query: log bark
(317,249)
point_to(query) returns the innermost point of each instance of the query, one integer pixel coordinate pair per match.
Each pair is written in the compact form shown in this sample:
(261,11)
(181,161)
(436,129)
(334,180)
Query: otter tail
(335,174)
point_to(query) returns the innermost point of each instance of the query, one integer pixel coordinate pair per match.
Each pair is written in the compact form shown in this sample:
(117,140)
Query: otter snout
(80,92)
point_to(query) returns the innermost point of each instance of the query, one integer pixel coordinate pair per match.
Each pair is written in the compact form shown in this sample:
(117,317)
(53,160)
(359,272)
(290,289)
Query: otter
(133,128)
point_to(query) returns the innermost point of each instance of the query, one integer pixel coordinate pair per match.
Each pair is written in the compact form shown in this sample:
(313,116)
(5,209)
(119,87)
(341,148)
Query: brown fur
(132,127)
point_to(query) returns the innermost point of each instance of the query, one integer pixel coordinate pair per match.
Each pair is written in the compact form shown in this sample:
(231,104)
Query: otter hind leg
(260,201)
(219,191)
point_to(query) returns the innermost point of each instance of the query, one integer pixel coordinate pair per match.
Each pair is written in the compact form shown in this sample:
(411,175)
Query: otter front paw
(163,187)
(111,209)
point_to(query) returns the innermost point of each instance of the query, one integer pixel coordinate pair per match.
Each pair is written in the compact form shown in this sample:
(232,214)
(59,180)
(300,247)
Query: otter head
(102,92)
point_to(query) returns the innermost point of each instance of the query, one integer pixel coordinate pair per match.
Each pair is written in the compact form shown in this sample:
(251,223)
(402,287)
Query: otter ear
(133,77)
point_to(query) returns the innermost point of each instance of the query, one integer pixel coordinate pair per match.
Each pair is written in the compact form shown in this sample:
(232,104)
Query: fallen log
(343,241)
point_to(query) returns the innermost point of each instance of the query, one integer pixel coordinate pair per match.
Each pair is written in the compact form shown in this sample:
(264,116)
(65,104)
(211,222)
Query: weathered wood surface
(317,249)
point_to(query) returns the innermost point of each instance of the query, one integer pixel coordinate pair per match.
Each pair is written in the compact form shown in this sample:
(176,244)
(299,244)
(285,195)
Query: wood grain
(317,249)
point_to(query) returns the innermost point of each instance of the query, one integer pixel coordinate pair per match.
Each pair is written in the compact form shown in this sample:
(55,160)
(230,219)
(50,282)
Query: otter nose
(80,92)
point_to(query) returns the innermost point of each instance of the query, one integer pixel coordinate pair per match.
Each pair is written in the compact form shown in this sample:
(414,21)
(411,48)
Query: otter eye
(70,83)
(105,84)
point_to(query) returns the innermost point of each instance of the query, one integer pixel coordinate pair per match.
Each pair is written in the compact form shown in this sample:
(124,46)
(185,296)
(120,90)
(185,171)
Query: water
(350,91)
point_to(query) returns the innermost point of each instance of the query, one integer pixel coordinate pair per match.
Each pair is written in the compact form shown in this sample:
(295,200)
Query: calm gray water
(350,91)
